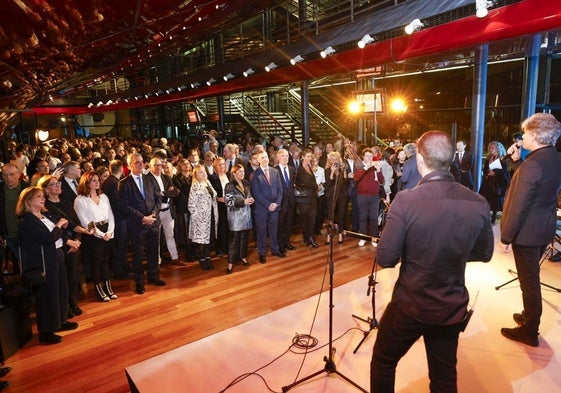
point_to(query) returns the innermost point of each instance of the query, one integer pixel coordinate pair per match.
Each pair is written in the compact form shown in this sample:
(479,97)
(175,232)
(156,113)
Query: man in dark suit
(267,191)
(430,297)
(119,247)
(461,166)
(69,182)
(141,199)
(288,204)
(529,218)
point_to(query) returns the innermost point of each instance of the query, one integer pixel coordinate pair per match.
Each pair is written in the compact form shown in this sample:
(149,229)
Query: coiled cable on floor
(304,341)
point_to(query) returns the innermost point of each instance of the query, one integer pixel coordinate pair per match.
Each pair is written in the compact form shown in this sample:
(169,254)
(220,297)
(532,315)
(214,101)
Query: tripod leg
(506,283)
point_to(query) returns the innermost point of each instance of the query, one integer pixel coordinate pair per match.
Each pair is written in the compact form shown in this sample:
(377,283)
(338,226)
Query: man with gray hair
(529,218)
(410,176)
(430,297)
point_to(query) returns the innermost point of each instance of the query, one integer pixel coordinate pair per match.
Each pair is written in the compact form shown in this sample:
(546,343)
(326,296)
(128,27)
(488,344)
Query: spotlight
(194,85)
(248,72)
(296,59)
(228,76)
(367,39)
(415,25)
(210,81)
(270,67)
(327,52)
(482,7)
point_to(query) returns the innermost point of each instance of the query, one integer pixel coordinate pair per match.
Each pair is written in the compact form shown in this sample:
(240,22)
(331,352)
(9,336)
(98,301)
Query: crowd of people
(81,205)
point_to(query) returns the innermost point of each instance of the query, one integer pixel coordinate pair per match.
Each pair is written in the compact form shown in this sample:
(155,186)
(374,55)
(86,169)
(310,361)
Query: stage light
(228,76)
(296,59)
(327,52)
(42,135)
(415,25)
(210,81)
(398,106)
(194,85)
(248,72)
(367,39)
(270,67)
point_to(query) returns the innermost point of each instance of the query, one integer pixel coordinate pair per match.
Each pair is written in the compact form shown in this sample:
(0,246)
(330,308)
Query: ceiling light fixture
(365,40)
(327,52)
(296,59)
(270,67)
(210,81)
(414,26)
(228,76)
(248,72)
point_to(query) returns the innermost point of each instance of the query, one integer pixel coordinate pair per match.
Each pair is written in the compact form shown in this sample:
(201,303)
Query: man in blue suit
(141,199)
(267,191)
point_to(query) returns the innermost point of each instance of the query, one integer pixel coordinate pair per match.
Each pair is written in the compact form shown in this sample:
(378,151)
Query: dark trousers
(96,255)
(142,236)
(238,245)
(286,219)
(307,214)
(396,334)
(354,208)
(267,224)
(368,214)
(51,298)
(119,249)
(73,274)
(527,260)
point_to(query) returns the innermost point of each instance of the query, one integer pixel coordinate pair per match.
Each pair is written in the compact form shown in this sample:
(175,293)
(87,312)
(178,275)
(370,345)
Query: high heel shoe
(311,242)
(340,238)
(328,239)
(245,262)
(230,268)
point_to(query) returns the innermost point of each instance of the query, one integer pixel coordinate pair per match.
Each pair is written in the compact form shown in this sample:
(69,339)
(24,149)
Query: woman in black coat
(43,236)
(182,182)
(307,207)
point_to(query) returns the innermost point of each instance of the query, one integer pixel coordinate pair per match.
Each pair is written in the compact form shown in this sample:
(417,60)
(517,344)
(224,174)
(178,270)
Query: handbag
(302,196)
(34,278)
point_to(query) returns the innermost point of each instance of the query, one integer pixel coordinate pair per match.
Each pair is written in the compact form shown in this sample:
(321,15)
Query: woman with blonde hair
(43,235)
(94,211)
(336,186)
(204,215)
(182,182)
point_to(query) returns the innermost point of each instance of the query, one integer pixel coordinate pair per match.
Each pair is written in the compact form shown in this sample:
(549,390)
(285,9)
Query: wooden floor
(194,304)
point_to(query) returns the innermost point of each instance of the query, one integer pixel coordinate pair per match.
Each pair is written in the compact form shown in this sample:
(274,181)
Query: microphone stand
(329,367)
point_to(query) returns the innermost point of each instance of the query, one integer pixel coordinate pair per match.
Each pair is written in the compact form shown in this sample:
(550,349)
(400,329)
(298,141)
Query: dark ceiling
(59,48)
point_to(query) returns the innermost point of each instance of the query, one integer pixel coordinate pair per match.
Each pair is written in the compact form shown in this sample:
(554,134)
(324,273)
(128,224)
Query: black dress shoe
(67,326)
(70,314)
(280,254)
(156,281)
(4,371)
(517,334)
(139,288)
(245,262)
(4,385)
(77,311)
(519,318)
(229,271)
(290,247)
(312,243)
(49,338)
(262,259)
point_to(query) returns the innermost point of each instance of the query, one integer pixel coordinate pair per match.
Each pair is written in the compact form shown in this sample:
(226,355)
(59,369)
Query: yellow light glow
(354,107)
(398,105)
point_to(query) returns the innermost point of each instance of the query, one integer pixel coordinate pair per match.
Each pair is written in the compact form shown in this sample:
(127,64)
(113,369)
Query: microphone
(361,236)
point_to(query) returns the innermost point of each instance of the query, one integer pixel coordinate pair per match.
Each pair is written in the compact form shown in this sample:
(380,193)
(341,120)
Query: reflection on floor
(256,354)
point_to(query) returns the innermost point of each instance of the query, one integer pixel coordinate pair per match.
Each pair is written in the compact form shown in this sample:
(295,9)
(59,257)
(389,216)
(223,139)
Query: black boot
(109,290)
(209,263)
